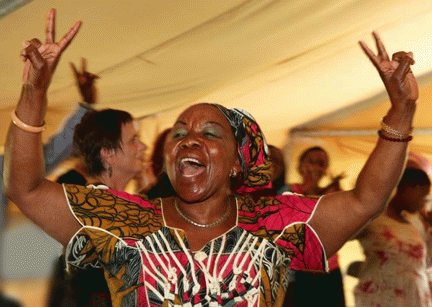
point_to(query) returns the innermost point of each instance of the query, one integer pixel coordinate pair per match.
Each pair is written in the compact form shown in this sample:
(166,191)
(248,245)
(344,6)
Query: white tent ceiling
(286,62)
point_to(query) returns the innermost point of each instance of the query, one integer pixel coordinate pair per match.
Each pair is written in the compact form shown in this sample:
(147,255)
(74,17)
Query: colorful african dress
(148,263)
(394,273)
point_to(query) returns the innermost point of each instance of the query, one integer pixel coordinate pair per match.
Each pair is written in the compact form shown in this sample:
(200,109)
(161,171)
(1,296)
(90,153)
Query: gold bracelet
(23,126)
(394,132)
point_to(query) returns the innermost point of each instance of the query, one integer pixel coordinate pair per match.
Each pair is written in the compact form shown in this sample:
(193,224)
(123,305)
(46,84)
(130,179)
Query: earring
(110,171)
(233,173)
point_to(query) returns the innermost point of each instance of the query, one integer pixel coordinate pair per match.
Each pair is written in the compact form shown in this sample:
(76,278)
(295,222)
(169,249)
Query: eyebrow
(135,135)
(205,124)
(212,123)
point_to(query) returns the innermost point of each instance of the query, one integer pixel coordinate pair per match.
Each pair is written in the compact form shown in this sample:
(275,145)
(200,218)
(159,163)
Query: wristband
(23,126)
(381,135)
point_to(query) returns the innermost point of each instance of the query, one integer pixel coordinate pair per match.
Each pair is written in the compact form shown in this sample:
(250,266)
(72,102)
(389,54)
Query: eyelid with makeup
(207,132)
(212,132)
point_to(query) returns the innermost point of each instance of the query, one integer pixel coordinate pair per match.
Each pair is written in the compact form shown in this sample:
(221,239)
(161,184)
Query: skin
(126,162)
(312,168)
(277,162)
(85,82)
(204,196)
(412,199)
(202,133)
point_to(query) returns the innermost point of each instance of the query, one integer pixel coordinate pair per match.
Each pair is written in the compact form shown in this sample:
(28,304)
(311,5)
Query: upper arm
(338,217)
(48,207)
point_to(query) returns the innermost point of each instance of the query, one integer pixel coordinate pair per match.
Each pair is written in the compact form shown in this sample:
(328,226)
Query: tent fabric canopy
(349,134)
(286,62)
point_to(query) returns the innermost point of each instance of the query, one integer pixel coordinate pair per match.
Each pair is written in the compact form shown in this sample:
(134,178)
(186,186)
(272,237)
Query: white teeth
(190,160)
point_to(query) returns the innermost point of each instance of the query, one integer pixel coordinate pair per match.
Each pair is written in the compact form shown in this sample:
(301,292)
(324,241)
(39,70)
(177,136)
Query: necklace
(190,221)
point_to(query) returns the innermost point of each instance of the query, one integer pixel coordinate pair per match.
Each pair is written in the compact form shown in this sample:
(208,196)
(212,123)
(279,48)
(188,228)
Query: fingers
(403,67)
(50,27)
(382,53)
(34,42)
(93,76)
(68,37)
(380,46)
(75,71)
(26,71)
(370,54)
(83,77)
(83,65)
(35,57)
(398,56)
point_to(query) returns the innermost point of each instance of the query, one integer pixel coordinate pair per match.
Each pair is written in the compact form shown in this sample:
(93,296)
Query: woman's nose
(190,141)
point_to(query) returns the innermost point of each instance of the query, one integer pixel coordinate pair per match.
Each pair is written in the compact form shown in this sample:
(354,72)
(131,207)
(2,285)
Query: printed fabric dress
(148,263)
(394,273)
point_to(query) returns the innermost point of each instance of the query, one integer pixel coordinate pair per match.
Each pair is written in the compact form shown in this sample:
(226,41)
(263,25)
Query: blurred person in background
(109,153)
(313,165)
(162,186)
(396,250)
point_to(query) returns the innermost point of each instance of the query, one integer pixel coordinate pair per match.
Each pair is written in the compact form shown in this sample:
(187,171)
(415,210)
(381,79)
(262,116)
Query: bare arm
(41,200)
(340,215)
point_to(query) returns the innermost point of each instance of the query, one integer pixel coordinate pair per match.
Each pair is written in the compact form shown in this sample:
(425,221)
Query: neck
(395,210)
(310,188)
(206,212)
(114,182)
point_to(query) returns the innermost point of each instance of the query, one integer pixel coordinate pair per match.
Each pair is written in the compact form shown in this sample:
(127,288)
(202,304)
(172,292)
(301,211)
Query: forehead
(128,131)
(316,155)
(203,113)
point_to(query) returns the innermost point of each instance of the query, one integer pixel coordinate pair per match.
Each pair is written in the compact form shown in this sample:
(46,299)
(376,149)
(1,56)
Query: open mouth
(190,167)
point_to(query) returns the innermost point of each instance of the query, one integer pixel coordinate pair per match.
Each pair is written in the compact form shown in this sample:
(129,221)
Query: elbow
(12,191)
(370,205)
(18,191)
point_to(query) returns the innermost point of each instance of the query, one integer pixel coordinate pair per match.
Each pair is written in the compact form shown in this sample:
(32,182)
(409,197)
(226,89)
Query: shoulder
(282,209)
(93,206)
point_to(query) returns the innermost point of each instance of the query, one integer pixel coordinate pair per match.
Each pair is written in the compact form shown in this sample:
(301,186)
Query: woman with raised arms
(211,244)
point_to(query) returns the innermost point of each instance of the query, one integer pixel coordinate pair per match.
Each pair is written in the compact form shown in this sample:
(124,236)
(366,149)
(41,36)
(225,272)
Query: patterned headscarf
(252,150)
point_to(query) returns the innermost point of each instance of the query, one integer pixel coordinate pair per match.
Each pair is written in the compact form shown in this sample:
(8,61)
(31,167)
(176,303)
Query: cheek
(168,157)
(222,161)
(303,168)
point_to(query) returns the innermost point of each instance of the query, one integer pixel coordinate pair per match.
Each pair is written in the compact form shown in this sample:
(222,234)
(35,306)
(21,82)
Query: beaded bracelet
(381,135)
(394,132)
(23,126)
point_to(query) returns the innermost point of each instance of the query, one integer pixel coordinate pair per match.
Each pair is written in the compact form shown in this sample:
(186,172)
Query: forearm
(383,168)
(370,196)
(23,161)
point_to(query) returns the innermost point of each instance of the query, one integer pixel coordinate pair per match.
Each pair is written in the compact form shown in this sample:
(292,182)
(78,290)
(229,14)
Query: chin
(191,194)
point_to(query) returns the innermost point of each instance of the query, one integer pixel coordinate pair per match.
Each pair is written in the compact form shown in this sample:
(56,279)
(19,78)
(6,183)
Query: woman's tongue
(190,169)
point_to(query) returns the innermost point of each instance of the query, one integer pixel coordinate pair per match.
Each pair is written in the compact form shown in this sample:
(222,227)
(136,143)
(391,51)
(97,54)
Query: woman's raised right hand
(41,59)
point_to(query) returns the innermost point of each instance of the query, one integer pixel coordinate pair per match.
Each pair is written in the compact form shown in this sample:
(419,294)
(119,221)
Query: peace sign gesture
(42,59)
(396,73)
(85,82)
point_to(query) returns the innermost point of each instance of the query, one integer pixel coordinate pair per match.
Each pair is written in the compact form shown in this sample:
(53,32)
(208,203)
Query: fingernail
(26,44)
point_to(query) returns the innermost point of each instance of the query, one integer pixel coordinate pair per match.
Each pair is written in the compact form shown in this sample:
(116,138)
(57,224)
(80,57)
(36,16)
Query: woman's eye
(212,133)
(178,133)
